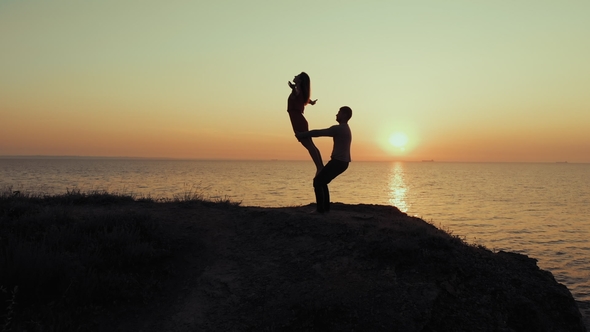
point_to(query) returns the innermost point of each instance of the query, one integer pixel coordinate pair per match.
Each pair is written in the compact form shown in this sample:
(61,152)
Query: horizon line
(267,159)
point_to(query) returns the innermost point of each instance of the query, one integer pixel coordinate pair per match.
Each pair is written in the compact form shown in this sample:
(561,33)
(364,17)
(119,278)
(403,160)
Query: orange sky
(463,81)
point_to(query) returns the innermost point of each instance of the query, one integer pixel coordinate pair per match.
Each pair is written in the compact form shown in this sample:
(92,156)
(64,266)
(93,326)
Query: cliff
(115,263)
(361,267)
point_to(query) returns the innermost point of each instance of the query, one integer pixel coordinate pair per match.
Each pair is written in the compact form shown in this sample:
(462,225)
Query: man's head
(344,114)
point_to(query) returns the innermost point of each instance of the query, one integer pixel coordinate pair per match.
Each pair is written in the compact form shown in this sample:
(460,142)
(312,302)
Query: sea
(538,209)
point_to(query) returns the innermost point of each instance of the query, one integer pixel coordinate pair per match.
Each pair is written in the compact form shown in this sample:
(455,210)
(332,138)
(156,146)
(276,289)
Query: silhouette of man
(340,157)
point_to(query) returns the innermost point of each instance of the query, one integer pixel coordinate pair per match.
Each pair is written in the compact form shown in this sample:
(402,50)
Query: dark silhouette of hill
(109,262)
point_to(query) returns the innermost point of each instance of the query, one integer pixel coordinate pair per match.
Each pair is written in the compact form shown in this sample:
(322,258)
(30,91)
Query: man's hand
(312,102)
(291,85)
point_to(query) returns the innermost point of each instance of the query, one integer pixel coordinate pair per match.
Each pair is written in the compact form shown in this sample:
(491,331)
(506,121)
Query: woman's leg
(314,152)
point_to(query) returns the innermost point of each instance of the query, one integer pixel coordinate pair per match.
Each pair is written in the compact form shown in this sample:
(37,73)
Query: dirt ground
(361,267)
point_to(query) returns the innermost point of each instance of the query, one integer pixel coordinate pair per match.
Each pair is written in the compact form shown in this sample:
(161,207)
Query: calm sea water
(541,210)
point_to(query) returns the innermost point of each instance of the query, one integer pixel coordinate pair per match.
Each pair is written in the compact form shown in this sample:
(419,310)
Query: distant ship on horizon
(428,161)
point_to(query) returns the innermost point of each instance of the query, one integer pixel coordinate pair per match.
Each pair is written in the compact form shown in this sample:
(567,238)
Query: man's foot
(316,212)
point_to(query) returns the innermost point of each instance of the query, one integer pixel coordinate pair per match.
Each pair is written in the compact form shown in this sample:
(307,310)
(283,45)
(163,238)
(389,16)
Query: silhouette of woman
(299,97)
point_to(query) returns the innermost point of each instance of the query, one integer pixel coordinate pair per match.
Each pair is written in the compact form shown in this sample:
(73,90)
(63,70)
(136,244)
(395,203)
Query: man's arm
(315,133)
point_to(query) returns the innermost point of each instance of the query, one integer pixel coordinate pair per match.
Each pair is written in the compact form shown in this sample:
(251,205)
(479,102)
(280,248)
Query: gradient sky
(462,80)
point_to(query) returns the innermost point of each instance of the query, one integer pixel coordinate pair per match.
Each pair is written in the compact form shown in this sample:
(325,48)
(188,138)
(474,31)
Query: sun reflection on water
(397,187)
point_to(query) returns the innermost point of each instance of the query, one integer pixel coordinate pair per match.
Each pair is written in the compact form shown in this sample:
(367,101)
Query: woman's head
(304,84)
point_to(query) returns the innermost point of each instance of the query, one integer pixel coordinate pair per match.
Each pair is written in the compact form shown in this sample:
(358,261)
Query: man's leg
(326,199)
(320,183)
(320,199)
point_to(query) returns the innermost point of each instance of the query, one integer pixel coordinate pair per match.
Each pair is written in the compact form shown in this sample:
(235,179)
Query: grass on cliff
(67,257)
(63,256)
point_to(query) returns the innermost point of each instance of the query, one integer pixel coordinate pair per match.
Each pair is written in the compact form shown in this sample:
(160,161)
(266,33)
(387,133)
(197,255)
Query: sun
(399,140)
